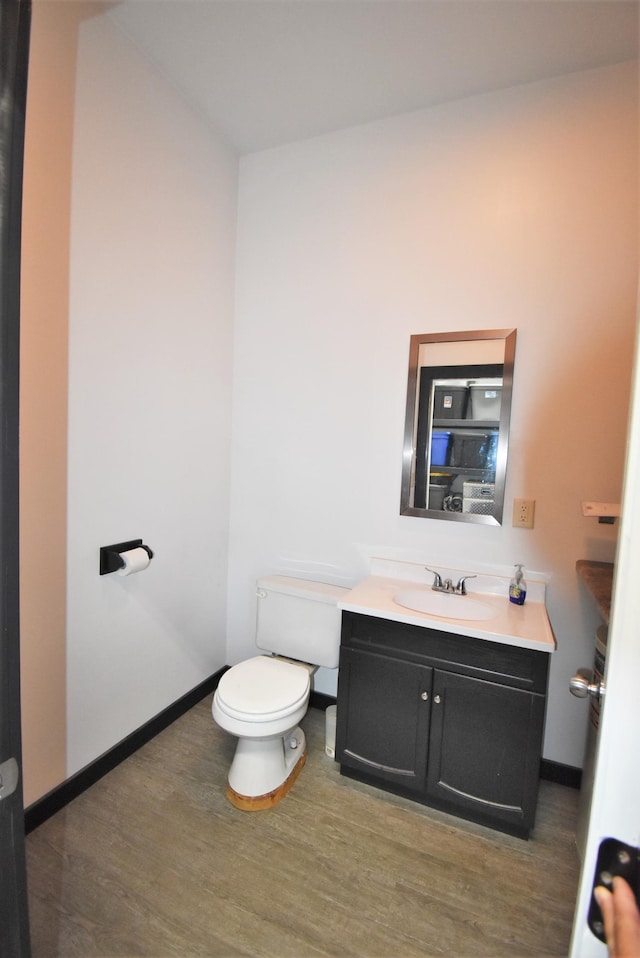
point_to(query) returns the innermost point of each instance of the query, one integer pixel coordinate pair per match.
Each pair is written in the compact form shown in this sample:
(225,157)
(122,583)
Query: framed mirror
(456,436)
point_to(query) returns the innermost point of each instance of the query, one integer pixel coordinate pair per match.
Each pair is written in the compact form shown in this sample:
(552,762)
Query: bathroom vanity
(447,711)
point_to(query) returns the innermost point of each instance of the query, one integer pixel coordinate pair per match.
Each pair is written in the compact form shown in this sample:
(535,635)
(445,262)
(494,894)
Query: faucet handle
(437,582)
(461,588)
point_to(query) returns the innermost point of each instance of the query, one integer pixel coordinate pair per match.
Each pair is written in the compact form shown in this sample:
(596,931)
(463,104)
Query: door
(484,750)
(14,40)
(615,806)
(383,726)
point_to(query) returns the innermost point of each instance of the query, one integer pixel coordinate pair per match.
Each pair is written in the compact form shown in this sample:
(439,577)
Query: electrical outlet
(523,513)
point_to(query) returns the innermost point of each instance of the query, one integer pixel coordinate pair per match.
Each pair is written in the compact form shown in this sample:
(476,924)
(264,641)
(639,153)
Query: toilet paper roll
(135,560)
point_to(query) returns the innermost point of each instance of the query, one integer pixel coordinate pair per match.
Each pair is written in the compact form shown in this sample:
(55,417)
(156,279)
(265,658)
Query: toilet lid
(261,687)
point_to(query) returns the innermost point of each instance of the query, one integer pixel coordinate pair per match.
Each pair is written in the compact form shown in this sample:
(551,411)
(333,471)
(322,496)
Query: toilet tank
(299,619)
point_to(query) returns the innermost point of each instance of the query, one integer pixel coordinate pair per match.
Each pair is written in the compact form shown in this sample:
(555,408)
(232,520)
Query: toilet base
(291,763)
(258,803)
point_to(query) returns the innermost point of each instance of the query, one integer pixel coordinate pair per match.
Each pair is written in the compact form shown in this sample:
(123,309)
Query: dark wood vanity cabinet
(450,721)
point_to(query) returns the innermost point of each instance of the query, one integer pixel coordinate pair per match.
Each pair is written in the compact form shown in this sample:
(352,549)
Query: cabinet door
(485,749)
(383,717)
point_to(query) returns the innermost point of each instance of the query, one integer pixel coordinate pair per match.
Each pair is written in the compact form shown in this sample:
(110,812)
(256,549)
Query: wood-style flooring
(153,860)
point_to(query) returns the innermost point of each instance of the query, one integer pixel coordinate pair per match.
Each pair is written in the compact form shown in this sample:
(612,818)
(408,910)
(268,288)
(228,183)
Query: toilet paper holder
(110,558)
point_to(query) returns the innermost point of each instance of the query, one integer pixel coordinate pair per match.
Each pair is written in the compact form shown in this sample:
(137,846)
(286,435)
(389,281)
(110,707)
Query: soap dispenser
(518,587)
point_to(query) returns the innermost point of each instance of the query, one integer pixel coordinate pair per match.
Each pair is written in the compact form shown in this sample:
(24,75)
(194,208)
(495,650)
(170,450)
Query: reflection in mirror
(457,425)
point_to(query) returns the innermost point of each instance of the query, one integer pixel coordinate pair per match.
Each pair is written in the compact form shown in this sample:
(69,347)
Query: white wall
(150,330)
(513,209)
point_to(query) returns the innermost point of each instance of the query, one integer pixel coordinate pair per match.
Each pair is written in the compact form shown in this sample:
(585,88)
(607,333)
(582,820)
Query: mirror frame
(411,416)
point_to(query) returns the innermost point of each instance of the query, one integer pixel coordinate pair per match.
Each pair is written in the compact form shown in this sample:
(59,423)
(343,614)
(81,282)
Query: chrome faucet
(447,586)
(461,588)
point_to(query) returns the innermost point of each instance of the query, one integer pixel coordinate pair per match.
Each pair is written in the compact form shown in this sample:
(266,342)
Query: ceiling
(266,72)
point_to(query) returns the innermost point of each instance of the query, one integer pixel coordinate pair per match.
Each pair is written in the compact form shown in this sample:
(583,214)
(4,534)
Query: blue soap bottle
(518,587)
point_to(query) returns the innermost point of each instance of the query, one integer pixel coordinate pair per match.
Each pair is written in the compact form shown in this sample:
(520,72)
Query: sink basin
(443,605)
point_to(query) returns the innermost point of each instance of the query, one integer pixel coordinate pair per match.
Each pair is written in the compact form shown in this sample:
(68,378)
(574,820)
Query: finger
(627,923)
(605,900)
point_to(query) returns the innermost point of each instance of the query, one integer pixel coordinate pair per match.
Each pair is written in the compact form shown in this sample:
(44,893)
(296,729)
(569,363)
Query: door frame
(15,22)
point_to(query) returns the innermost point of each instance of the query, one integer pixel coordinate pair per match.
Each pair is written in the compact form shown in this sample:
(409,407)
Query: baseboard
(562,774)
(318,700)
(64,793)
(60,796)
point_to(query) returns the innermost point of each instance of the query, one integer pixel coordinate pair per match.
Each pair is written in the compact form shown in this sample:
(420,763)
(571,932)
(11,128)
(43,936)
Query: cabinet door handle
(424,696)
(437,699)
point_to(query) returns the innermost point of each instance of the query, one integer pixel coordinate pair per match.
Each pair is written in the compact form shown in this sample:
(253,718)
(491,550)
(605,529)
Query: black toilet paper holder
(110,558)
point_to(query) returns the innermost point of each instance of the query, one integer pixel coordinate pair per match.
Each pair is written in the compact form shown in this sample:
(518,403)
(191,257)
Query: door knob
(437,700)
(581,685)
(424,696)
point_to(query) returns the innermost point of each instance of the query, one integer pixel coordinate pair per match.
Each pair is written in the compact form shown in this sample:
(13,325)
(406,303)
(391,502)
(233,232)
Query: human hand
(621,919)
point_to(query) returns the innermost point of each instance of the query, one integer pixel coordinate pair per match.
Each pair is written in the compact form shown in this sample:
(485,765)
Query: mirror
(456,434)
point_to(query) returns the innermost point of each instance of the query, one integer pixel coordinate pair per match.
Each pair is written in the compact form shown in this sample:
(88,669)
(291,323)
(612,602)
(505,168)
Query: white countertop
(526,626)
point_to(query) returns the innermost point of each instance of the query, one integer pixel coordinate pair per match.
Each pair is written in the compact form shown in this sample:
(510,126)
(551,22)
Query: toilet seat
(262,688)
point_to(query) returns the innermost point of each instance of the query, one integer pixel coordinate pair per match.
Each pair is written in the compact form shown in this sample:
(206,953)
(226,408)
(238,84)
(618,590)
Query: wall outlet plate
(523,513)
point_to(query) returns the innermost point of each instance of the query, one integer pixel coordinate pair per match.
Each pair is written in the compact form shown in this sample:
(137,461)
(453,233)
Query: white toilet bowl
(261,701)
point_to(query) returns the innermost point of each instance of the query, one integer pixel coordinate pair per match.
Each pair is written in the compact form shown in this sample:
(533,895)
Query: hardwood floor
(153,860)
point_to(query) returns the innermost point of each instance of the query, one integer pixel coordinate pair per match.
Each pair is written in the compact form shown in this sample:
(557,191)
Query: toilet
(263,699)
